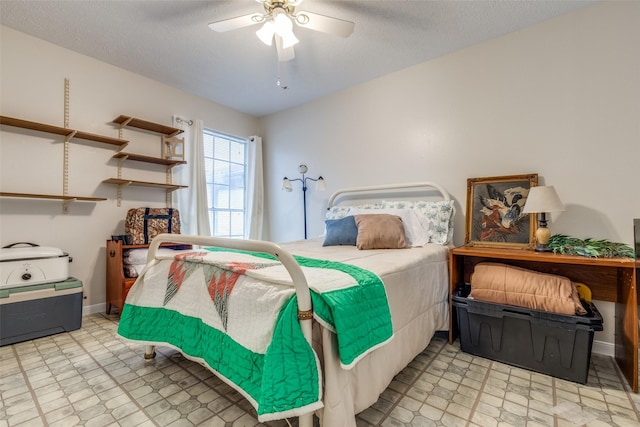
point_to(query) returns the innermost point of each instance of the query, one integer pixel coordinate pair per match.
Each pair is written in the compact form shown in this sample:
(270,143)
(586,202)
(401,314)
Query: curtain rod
(181,120)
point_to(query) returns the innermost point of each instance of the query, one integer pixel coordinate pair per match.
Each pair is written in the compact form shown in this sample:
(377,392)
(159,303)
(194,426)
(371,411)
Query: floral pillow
(337,212)
(439,214)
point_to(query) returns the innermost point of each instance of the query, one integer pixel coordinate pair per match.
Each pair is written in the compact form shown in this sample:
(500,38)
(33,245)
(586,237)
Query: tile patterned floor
(89,377)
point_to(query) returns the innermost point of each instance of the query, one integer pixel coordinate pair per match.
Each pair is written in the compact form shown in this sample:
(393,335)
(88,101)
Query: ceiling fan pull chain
(279,81)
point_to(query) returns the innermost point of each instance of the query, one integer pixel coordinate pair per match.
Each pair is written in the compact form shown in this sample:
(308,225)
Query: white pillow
(416,226)
(139,256)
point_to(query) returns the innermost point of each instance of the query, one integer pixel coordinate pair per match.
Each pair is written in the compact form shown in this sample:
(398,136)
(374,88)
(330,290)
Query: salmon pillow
(505,284)
(380,231)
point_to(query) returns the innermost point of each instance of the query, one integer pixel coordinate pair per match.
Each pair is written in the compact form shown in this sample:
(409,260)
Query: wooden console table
(610,279)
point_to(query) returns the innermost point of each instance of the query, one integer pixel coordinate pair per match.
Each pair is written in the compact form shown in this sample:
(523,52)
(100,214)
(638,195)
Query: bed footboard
(305,312)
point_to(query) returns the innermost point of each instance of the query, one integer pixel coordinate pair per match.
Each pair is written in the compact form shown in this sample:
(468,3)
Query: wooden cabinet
(118,284)
(69,136)
(167,133)
(610,279)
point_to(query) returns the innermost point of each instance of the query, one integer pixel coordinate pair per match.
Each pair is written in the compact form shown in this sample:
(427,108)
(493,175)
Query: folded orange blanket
(505,284)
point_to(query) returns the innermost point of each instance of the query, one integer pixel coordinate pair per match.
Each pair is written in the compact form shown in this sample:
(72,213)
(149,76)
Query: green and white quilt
(236,312)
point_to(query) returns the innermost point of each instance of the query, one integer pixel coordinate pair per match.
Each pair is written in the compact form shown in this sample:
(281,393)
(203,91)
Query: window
(225,160)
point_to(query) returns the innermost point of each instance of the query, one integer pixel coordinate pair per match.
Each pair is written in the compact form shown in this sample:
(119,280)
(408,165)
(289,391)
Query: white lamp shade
(265,34)
(543,199)
(284,28)
(286,184)
(282,24)
(289,39)
(320,185)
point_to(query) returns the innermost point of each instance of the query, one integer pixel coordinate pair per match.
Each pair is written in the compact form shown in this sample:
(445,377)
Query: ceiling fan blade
(325,24)
(284,54)
(235,23)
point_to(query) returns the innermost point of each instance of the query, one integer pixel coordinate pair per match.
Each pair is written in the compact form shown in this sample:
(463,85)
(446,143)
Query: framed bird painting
(494,212)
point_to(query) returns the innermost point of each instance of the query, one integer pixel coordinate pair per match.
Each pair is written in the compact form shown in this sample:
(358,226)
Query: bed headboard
(424,190)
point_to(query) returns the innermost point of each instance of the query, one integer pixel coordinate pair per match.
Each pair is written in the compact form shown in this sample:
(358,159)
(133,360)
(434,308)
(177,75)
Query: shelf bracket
(121,128)
(66,202)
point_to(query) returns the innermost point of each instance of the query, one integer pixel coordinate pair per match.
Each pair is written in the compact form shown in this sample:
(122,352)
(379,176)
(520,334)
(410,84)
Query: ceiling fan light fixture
(289,40)
(284,28)
(265,34)
(282,23)
(277,25)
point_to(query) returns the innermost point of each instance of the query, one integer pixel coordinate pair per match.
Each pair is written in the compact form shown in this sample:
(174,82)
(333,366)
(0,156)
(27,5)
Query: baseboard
(93,309)
(604,348)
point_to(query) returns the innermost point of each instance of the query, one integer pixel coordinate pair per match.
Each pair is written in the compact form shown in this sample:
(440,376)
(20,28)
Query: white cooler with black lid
(31,265)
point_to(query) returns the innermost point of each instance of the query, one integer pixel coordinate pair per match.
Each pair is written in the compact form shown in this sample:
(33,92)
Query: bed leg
(306,420)
(150,352)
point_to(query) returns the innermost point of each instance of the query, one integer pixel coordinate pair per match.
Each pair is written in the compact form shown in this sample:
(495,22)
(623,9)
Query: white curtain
(192,201)
(254,213)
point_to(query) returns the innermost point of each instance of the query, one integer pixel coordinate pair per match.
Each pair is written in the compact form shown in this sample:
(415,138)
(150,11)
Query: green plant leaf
(561,243)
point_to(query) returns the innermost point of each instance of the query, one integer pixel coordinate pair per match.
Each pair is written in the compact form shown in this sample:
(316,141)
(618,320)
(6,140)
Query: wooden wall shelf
(53,197)
(148,159)
(69,135)
(145,125)
(120,181)
(165,132)
(56,130)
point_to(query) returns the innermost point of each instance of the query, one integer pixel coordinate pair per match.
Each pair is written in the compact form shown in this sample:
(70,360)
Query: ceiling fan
(278,22)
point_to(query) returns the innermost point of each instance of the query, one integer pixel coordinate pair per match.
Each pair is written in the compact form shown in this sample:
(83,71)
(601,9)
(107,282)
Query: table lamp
(542,200)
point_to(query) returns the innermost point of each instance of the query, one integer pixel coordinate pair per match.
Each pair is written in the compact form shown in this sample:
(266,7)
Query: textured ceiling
(170,41)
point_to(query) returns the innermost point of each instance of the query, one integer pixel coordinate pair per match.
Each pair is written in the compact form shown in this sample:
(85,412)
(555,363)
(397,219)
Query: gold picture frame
(494,212)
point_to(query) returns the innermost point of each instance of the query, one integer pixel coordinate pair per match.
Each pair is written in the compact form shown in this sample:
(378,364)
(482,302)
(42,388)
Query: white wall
(33,73)
(560,99)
